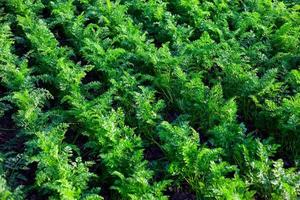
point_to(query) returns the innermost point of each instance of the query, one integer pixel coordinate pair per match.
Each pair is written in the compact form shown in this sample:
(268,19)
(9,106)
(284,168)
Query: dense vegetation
(156,99)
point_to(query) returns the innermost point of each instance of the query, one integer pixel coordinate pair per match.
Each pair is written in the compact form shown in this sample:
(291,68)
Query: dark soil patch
(171,115)
(58,32)
(153,153)
(2,88)
(46,12)
(7,127)
(181,193)
(30,174)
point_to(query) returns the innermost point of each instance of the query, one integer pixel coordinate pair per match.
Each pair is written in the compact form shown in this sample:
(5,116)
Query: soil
(182,192)
(153,153)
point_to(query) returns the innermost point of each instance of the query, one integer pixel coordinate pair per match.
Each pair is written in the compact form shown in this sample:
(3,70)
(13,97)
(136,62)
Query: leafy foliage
(103,99)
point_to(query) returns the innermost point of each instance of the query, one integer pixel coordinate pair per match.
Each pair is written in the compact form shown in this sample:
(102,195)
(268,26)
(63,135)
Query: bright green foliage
(11,76)
(268,177)
(5,193)
(147,113)
(157,99)
(200,166)
(118,147)
(287,116)
(56,170)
